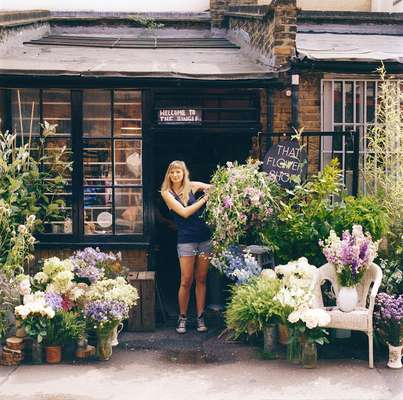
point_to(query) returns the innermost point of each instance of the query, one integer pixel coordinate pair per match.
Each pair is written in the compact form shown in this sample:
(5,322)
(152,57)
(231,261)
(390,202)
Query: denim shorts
(194,249)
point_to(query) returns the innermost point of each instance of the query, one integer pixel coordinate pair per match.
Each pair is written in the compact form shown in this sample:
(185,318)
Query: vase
(53,354)
(395,356)
(115,333)
(282,334)
(37,352)
(309,355)
(347,298)
(294,351)
(104,345)
(270,338)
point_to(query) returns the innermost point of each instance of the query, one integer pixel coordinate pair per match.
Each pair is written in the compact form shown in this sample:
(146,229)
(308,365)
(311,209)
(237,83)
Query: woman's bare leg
(201,269)
(187,268)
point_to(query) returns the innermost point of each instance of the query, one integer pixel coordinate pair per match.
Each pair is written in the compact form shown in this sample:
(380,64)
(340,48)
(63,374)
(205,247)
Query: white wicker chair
(360,319)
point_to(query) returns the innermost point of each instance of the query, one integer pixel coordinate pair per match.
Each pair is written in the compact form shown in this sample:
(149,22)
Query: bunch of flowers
(236,264)
(105,314)
(351,255)
(240,202)
(56,275)
(388,317)
(92,264)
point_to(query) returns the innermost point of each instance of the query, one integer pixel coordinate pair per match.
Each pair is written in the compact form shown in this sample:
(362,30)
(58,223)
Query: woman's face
(176,175)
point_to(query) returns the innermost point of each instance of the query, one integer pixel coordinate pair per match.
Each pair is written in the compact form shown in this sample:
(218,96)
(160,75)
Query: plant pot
(270,338)
(309,355)
(347,298)
(104,345)
(115,333)
(69,350)
(37,352)
(395,356)
(282,334)
(53,354)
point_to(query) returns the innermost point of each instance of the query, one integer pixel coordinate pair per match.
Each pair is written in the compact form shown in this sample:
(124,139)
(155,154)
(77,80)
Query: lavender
(54,300)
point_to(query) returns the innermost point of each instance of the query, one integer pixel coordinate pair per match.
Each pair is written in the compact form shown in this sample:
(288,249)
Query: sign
(179,116)
(285,160)
(104,219)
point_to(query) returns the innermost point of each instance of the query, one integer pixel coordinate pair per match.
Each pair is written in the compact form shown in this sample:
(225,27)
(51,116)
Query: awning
(349,47)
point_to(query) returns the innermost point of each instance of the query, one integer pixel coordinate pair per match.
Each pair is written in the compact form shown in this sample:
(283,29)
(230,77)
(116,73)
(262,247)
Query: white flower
(41,277)
(294,317)
(24,284)
(268,274)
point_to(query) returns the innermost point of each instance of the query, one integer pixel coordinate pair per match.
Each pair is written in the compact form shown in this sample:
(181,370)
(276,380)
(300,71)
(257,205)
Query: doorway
(202,150)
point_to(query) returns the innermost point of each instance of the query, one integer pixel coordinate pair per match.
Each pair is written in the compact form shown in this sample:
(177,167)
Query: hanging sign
(285,160)
(179,116)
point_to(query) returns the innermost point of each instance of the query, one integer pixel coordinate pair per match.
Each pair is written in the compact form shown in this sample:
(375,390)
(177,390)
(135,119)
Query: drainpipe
(294,101)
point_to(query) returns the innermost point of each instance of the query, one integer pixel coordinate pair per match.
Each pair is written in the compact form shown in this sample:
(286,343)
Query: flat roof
(349,47)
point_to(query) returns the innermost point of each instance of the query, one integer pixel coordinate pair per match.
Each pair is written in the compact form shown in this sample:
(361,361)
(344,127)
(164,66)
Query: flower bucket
(270,338)
(53,354)
(104,345)
(347,298)
(309,355)
(37,352)
(395,356)
(282,334)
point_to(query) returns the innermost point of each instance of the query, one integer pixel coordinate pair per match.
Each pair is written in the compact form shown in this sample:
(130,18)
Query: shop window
(103,196)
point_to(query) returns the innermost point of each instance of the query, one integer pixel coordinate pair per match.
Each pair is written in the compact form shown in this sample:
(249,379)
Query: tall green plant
(383,168)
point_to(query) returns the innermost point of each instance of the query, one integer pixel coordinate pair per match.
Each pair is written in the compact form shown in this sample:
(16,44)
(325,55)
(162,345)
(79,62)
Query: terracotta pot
(282,334)
(53,354)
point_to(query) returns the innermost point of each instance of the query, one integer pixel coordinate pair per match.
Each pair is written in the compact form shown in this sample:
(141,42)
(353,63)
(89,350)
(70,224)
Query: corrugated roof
(349,47)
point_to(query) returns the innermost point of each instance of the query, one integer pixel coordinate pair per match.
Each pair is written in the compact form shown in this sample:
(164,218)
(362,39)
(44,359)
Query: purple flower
(54,300)
(106,310)
(228,203)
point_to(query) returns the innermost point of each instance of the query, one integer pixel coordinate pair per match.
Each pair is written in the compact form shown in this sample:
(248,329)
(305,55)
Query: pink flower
(228,203)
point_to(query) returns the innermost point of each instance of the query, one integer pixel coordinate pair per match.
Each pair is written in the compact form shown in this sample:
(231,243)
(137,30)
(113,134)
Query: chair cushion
(355,320)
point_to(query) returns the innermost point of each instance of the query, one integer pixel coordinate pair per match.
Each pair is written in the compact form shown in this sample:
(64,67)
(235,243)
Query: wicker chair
(360,319)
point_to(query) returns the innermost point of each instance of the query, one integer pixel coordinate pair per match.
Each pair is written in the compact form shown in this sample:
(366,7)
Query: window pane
(97,210)
(128,168)
(359,103)
(370,101)
(349,102)
(97,113)
(338,139)
(97,158)
(56,110)
(129,210)
(25,111)
(338,102)
(127,113)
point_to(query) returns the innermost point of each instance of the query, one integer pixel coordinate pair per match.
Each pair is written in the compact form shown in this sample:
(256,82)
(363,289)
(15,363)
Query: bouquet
(388,317)
(351,255)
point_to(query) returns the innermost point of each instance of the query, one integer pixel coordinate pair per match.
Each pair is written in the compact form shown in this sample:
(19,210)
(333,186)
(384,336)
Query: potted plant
(388,320)
(305,327)
(73,326)
(54,339)
(351,255)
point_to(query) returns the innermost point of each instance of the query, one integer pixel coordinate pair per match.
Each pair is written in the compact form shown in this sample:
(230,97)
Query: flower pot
(115,333)
(69,350)
(270,338)
(37,352)
(309,355)
(282,334)
(104,345)
(347,298)
(53,354)
(395,356)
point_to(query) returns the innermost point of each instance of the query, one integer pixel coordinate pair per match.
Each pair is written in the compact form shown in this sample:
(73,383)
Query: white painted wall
(108,5)
(335,5)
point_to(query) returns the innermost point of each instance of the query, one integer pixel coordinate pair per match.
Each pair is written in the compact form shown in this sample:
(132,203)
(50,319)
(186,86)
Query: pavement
(164,365)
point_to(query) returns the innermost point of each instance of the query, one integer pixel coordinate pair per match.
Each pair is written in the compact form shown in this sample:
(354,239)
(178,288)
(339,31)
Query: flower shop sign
(179,116)
(285,160)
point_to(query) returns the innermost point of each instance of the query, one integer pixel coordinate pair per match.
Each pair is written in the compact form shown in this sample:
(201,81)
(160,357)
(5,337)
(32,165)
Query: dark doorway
(202,150)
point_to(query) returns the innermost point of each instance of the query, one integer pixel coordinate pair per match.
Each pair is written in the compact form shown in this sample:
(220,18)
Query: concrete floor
(164,365)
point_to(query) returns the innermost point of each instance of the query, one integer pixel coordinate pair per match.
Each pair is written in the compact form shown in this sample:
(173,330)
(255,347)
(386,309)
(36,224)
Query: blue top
(192,229)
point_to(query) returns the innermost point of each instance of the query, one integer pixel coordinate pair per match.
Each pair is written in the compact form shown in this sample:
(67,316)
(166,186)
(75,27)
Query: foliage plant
(252,306)
(241,201)
(351,255)
(383,167)
(64,327)
(392,276)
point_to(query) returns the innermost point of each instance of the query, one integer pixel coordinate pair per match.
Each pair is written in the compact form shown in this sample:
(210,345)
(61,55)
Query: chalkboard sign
(284,160)
(179,116)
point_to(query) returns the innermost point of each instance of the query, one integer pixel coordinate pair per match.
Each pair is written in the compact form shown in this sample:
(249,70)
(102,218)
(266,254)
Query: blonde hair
(185,188)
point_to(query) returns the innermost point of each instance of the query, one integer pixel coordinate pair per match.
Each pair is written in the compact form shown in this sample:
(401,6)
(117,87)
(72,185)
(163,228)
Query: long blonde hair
(185,188)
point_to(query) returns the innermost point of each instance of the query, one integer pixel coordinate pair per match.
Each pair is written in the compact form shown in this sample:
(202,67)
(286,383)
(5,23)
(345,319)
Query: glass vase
(104,345)
(37,352)
(309,355)
(294,351)
(270,338)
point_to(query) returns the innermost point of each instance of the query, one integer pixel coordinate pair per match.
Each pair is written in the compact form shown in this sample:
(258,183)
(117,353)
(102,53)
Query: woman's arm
(197,186)
(176,206)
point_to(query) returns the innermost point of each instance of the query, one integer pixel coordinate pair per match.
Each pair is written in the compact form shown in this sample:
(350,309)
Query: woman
(194,235)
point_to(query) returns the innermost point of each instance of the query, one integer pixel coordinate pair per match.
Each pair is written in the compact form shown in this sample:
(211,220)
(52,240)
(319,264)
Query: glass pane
(127,113)
(128,168)
(338,102)
(349,102)
(56,110)
(62,222)
(97,113)
(370,101)
(25,112)
(97,158)
(359,103)
(129,210)
(349,139)
(338,139)
(97,210)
